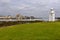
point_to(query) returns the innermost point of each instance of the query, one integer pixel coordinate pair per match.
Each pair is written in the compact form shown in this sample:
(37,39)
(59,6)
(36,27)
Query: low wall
(9,23)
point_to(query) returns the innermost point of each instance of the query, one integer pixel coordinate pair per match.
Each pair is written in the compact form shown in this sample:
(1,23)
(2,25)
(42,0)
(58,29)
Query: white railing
(19,19)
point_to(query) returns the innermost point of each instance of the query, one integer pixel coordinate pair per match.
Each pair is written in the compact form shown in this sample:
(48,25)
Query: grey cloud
(29,7)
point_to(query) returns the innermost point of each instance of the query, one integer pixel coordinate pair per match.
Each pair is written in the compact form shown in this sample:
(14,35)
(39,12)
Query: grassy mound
(32,31)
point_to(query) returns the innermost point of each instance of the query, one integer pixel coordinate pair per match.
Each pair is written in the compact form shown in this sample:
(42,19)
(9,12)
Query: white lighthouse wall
(53,18)
(50,17)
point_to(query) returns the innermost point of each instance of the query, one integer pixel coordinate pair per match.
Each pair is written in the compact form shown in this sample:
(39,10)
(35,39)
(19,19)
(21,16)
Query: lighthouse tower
(52,15)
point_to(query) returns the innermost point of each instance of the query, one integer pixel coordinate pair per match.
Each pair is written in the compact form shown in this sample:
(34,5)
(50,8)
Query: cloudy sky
(39,8)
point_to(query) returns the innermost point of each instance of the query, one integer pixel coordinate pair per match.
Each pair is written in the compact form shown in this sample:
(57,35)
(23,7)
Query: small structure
(9,17)
(19,17)
(52,15)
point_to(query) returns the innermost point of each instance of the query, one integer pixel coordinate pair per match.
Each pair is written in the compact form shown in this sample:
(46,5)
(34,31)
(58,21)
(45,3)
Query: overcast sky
(39,8)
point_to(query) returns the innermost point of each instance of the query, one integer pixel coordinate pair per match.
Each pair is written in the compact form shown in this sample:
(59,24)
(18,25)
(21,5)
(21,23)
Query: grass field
(32,31)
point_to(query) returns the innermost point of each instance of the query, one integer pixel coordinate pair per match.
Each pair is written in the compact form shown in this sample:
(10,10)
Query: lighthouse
(52,15)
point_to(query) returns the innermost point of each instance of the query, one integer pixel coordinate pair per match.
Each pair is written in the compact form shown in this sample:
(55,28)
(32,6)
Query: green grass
(32,31)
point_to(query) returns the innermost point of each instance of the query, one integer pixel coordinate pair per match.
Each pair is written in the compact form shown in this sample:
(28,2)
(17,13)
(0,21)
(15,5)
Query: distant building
(19,17)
